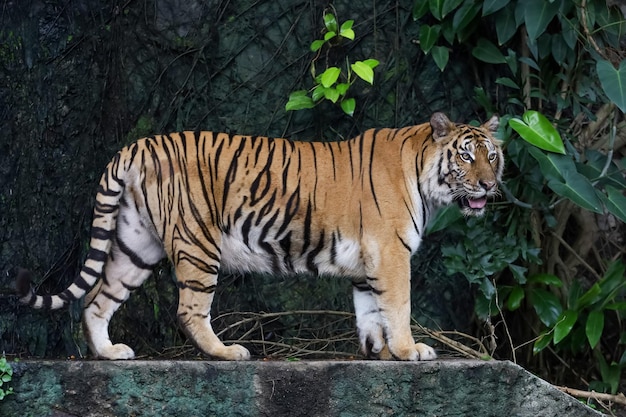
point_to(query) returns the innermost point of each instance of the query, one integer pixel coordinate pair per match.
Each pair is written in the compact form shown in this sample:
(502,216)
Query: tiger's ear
(441,125)
(492,124)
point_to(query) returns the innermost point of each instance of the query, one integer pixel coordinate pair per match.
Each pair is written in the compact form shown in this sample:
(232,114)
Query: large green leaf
(579,189)
(552,166)
(505,25)
(537,15)
(448,6)
(536,129)
(428,37)
(435,8)
(615,202)
(546,305)
(420,8)
(488,52)
(492,6)
(463,17)
(564,325)
(594,327)
(613,82)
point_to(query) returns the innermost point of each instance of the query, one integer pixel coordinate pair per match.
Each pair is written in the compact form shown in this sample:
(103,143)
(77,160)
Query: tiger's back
(212,201)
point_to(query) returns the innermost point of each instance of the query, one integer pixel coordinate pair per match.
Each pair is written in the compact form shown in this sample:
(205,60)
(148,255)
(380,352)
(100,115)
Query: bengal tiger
(213,201)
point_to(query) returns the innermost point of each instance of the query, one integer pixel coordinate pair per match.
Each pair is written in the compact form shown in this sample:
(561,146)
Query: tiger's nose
(487,185)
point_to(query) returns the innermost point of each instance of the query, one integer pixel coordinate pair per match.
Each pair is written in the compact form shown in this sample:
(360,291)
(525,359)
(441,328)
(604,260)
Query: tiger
(214,202)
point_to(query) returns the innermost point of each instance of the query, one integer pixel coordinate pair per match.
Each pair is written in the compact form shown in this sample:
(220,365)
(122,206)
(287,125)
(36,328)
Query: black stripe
(112,297)
(101,233)
(134,258)
(310,261)
(196,286)
(97,255)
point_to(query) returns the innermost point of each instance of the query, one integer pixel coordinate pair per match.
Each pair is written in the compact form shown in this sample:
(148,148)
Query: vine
(334,82)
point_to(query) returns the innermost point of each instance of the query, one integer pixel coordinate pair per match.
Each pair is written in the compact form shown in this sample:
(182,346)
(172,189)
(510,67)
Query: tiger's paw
(232,353)
(426,353)
(416,352)
(118,351)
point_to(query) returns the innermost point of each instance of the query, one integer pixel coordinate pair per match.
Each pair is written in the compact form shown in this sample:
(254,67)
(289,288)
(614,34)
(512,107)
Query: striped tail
(110,192)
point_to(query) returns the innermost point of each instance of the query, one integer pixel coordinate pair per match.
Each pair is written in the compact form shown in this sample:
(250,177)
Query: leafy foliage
(333,84)
(558,78)
(6,376)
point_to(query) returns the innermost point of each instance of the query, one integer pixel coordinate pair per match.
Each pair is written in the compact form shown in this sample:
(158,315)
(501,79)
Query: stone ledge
(271,388)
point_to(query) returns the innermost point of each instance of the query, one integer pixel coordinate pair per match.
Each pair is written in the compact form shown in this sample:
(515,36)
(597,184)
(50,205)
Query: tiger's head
(471,163)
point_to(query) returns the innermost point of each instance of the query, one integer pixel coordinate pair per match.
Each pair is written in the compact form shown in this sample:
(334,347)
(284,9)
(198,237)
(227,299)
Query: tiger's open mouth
(469,203)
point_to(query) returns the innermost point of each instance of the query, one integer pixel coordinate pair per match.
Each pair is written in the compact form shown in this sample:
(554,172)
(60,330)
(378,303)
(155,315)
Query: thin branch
(618,399)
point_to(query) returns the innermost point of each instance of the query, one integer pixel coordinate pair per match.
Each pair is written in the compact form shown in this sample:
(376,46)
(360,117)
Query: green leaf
(330,76)
(505,25)
(546,279)
(591,296)
(515,298)
(348,106)
(444,218)
(372,63)
(488,52)
(546,305)
(519,273)
(364,71)
(564,325)
(537,130)
(615,202)
(346,30)
(329,35)
(435,8)
(428,37)
(420,8)
(492,6)
(331,94)
(463,17)
(594,327)
(299,100)
(542,342)
(316,45)
(342,88)
(552,165)
(578,189)
(448,6)
(616,306)
(440,55)
(507,82)
(613,82)
(537,15)
(318,93)
(330,22)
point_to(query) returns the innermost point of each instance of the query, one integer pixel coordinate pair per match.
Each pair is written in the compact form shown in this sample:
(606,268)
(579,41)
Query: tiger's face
(472,162)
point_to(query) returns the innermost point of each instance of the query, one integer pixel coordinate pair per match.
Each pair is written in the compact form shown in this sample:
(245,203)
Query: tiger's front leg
(386,305)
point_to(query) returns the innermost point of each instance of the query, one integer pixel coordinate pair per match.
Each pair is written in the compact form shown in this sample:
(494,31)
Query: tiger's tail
(110,191)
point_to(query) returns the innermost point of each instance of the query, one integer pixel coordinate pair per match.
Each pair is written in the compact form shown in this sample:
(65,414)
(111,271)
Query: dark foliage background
(81,78)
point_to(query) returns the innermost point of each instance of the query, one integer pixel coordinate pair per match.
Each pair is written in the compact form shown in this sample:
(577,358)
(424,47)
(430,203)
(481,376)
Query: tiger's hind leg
(123,273)
(196,291)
